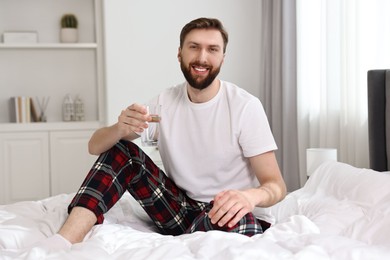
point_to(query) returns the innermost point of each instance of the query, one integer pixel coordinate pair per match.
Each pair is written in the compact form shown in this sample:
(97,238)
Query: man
(215,143)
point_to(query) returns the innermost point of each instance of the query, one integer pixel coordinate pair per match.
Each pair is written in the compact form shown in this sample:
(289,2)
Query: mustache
(198,64)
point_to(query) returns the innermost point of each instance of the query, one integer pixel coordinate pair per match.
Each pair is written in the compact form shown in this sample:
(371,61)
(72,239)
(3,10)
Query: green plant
(69,21)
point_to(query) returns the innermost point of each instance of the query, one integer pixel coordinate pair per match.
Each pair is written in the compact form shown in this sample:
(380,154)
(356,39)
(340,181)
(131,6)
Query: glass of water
(150,135)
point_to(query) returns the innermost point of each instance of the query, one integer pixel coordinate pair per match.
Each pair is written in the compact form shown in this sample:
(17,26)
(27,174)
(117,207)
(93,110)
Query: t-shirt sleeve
(255,133)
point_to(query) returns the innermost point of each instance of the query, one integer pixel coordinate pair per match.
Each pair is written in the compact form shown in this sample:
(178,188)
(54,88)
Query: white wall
(142,39)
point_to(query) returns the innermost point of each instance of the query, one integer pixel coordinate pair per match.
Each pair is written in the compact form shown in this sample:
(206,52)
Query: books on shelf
(22,110)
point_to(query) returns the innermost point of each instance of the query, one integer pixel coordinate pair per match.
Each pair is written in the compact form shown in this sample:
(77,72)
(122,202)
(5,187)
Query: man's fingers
(219,200)
(240,214)
(220,209)
(228,208)
(229,214)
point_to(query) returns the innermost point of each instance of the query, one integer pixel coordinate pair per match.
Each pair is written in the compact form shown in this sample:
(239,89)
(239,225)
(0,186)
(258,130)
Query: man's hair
(204,23)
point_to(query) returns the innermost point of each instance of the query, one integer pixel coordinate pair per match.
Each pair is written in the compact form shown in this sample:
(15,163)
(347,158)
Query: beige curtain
(278,77)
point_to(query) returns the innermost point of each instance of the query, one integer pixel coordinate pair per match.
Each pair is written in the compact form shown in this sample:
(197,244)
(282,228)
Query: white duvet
(341,213)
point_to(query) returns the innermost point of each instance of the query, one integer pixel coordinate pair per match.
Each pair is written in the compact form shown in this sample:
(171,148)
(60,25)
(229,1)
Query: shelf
(49,67)
(49,46)
(49,126)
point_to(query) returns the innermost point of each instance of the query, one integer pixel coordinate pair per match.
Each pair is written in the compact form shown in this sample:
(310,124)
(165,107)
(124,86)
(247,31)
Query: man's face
(201,57)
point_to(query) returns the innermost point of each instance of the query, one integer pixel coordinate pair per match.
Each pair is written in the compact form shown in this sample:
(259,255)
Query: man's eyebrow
(191,42)
(215,46)
(211,45)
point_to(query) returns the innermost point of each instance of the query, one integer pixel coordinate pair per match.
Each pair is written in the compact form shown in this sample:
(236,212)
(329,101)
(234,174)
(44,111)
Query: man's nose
(202,56)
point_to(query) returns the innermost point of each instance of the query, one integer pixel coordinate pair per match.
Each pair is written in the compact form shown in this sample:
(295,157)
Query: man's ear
(179,54)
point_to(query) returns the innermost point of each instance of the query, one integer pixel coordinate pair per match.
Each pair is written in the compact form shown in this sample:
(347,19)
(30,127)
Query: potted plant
(69,33)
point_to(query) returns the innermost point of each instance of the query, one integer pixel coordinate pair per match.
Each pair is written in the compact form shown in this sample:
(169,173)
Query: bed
(342,212)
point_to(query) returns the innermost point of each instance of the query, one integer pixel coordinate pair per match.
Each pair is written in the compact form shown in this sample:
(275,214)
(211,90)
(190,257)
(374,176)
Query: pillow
(345,182)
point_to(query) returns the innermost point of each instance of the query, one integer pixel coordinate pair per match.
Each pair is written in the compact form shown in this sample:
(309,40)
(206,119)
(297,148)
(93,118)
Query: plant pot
(69,35)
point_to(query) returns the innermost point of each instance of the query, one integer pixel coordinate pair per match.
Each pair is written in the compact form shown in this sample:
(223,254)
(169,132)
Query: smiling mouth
(200,69)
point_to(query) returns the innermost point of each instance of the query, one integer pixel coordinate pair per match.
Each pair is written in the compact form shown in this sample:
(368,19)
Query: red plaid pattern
(126,167)
(249,225)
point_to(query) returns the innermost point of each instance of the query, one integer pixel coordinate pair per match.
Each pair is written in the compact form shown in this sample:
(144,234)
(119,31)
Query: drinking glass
(150,135)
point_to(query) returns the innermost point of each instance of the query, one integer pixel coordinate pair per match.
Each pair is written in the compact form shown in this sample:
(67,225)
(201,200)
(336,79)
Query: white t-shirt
(204,146)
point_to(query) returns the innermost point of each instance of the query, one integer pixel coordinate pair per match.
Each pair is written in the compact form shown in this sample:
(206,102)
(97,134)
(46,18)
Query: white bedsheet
(342,213)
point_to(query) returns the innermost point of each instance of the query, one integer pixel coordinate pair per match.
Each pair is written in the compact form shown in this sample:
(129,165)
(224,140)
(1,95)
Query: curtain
(315,57)
(278,83)
(338,41)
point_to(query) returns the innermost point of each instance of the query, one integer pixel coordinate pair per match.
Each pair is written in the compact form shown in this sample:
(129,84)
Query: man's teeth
(200,69)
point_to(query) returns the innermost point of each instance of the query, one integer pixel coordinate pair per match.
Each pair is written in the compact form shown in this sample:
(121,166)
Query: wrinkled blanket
(342,212)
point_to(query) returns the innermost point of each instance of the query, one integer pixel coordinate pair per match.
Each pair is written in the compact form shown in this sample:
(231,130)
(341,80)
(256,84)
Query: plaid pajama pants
(126,167)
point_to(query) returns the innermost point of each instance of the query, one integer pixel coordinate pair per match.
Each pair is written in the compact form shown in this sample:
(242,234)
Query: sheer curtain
(338,41)
(315,58)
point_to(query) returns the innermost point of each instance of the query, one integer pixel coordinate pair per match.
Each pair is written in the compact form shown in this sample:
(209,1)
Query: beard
(194,80)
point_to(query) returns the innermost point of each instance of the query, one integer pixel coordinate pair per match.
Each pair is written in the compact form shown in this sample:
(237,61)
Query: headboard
(378,91)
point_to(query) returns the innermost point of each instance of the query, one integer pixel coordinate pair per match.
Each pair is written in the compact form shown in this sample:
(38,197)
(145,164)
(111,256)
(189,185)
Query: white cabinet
(70,160)
(24,162)
(38,162)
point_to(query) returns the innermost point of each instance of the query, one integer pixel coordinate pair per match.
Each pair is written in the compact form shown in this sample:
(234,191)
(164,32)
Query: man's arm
(131,120)
(230,206)
(272,187)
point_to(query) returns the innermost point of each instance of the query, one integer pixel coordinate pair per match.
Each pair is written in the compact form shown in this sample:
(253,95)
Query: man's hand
(229,207)
(132,119)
